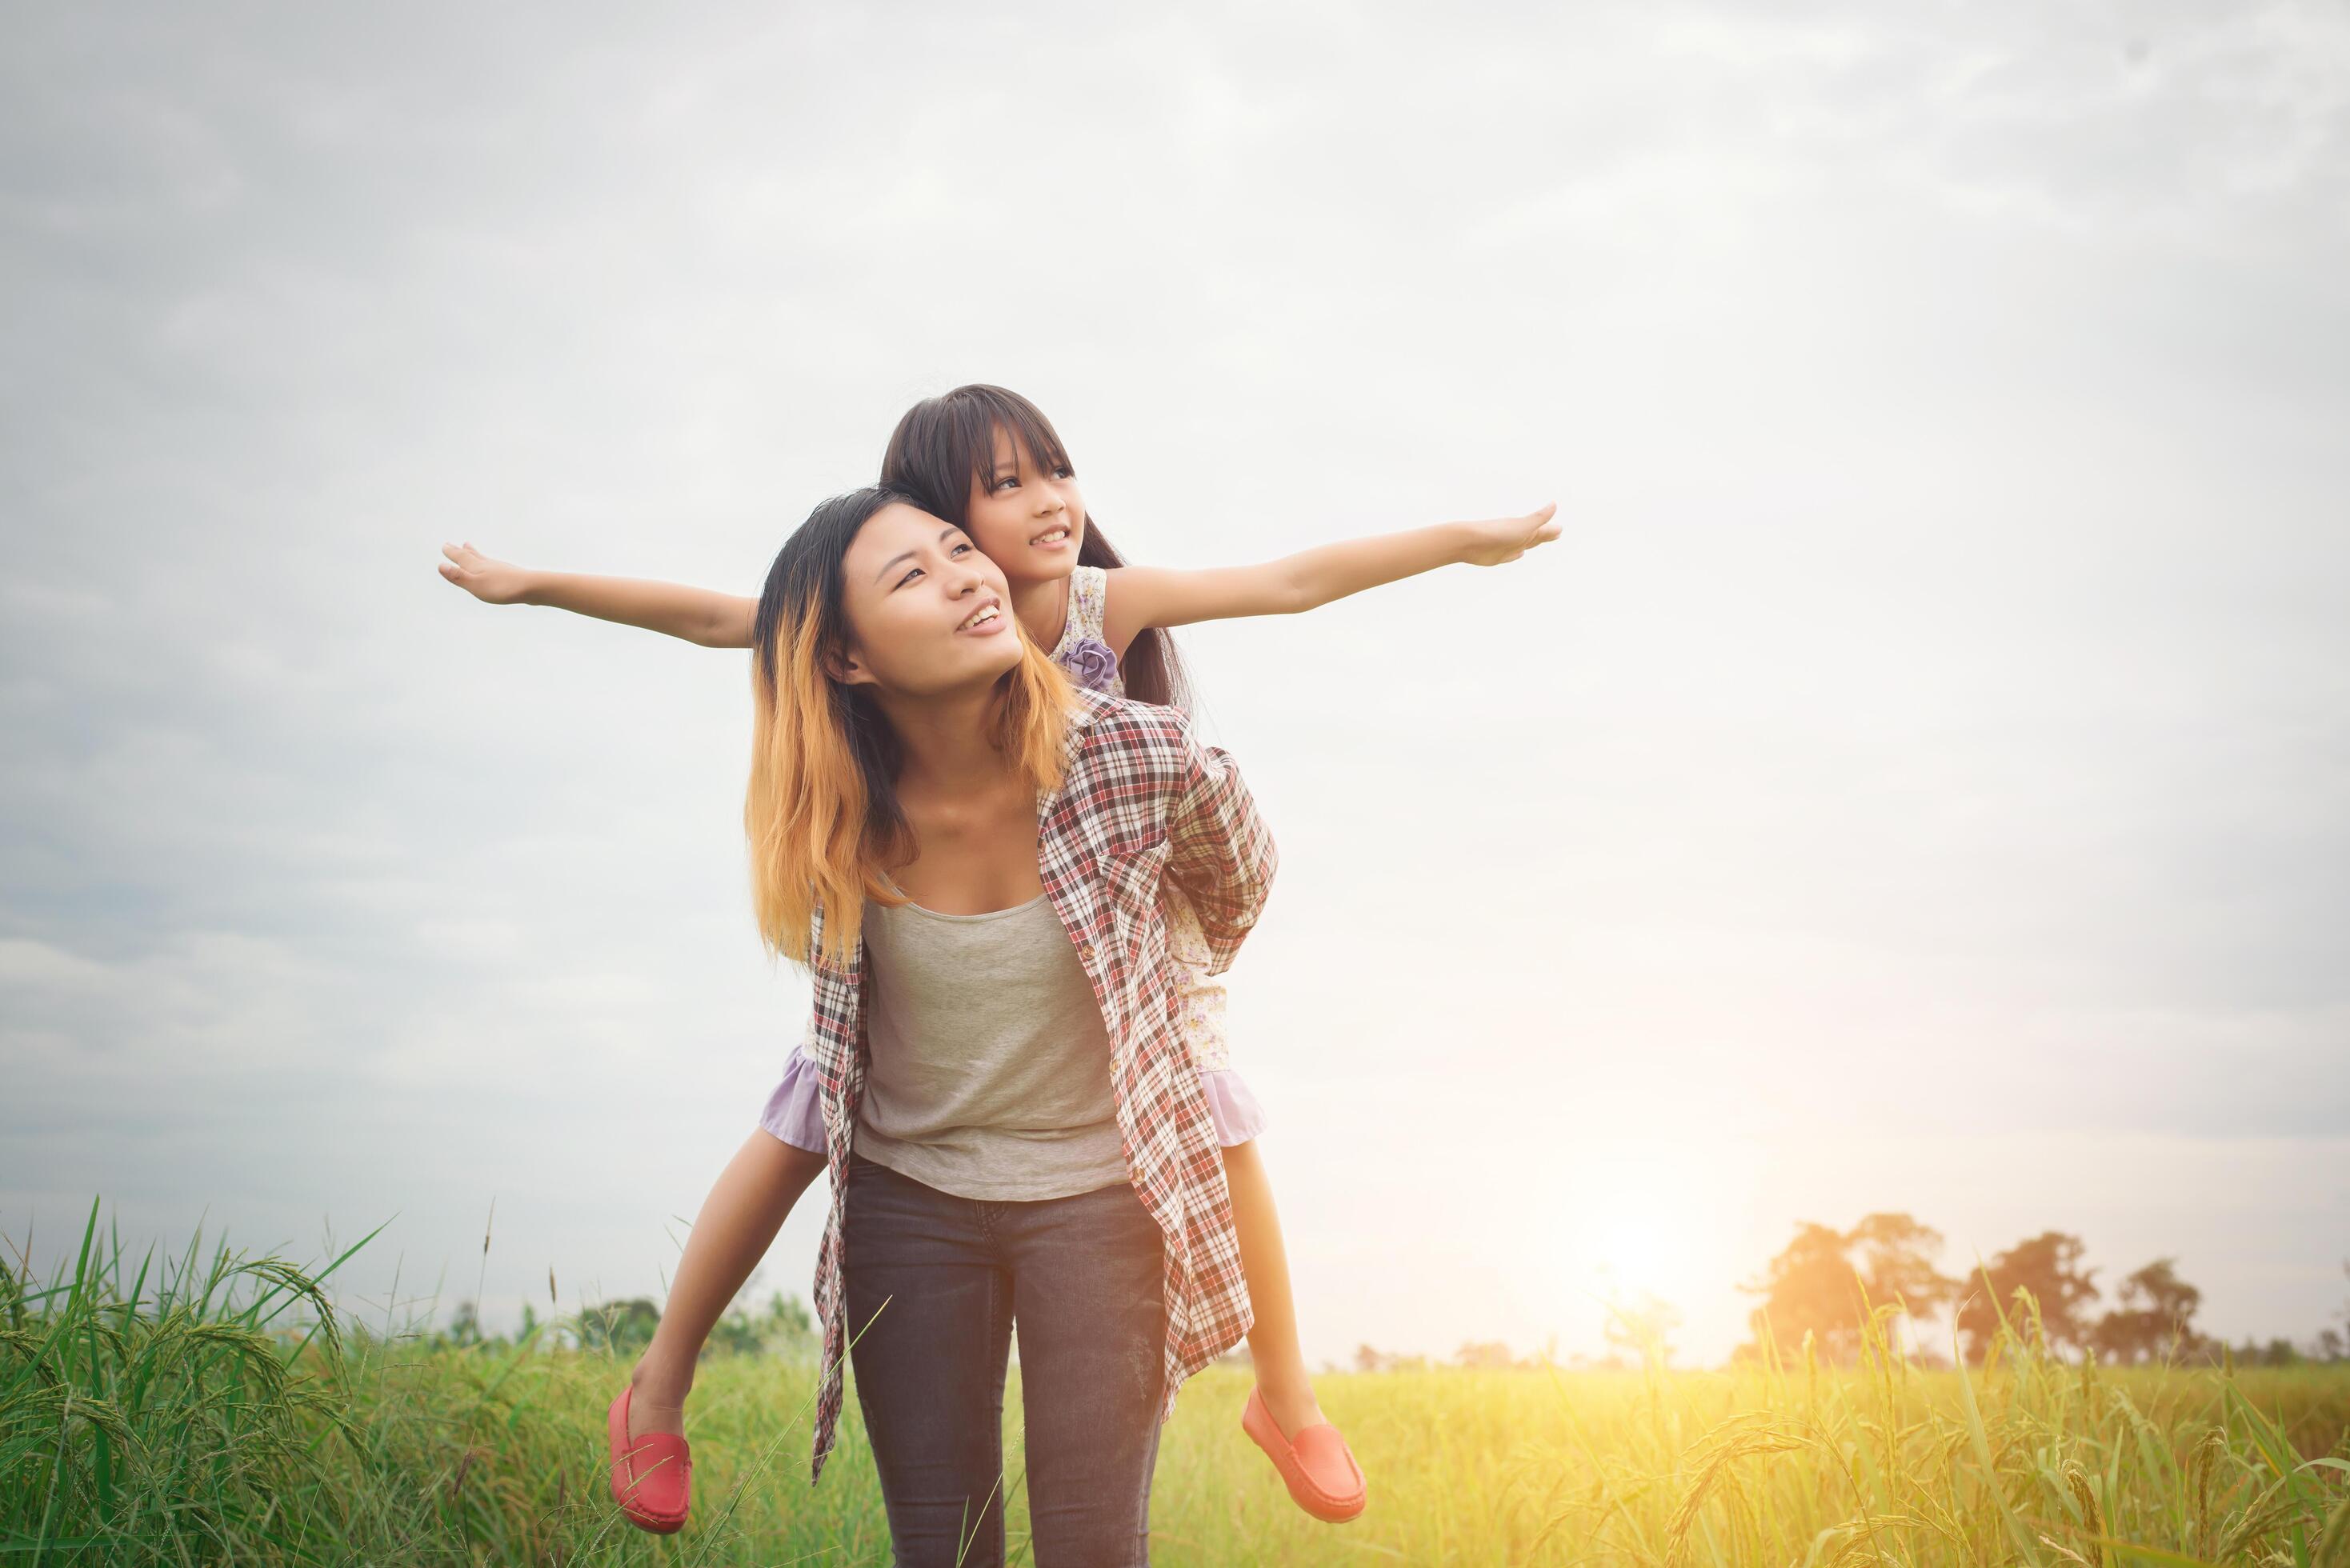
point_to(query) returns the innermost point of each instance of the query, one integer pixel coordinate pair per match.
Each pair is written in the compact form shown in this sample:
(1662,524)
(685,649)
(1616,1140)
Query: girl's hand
(693,615)
(493,582)
(1490,544)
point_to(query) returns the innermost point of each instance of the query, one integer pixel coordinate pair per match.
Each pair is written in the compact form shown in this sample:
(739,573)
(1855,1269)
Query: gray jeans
(1082,1280)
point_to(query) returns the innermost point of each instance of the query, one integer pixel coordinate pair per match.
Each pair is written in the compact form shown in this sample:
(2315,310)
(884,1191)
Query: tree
(1643,1328)
(783,1328)
(1897,1263)
(619,1327)
(2154,1317)
(2048,1268)
(1810,1288)
(1826,1281)
(789,1325)
(464,1329)
(1484,1356)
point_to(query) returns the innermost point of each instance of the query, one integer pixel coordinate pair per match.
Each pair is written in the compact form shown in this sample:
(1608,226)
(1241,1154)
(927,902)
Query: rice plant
(217,1409)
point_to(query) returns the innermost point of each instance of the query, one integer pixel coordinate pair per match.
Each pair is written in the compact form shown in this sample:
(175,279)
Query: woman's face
(926,611)
(1029,520)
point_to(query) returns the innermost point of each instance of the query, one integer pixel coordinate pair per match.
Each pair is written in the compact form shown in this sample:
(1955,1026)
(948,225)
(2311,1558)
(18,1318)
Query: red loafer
(652,1478)
(1318,1467)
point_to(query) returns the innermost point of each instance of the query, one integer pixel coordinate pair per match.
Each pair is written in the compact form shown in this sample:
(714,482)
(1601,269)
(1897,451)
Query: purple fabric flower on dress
(1092,665)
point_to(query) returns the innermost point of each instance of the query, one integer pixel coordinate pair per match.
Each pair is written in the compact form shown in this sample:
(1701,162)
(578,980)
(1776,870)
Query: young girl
(988,462)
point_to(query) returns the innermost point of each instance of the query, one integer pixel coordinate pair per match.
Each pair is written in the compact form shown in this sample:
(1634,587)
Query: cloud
(1932,720)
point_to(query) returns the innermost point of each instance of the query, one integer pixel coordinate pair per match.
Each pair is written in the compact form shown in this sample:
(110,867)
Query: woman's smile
(987,620)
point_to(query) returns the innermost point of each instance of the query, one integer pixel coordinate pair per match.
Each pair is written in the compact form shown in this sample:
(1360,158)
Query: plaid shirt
(1141,801)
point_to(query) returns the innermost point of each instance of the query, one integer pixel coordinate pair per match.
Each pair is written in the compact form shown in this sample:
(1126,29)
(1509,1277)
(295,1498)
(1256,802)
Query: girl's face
(1029,520)
(926,611)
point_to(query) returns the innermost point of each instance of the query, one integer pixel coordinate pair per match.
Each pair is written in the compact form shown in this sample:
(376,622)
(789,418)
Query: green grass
(212,1409)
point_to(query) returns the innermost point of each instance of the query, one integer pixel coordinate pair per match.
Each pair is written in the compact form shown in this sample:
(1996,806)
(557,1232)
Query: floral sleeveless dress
(794,1113)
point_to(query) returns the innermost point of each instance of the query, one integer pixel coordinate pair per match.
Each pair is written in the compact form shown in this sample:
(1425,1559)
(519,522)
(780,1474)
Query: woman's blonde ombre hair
(822,812)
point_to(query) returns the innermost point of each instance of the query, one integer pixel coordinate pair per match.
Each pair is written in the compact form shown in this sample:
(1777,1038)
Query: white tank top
(990,1070)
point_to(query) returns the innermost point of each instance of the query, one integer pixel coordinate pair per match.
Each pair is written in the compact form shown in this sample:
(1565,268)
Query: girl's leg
(1281,1375)
(738,1222)
(1089,1297)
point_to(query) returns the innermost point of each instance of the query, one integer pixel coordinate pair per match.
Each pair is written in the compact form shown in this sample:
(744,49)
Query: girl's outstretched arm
(697,614)
(1143,597)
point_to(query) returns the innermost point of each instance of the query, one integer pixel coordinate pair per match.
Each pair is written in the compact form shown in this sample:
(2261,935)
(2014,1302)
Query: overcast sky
(1915,781)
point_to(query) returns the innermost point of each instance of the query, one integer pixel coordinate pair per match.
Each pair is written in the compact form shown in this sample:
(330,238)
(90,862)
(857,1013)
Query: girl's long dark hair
(943,443)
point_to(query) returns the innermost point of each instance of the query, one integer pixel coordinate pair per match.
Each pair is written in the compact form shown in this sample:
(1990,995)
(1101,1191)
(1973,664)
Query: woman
(968,856)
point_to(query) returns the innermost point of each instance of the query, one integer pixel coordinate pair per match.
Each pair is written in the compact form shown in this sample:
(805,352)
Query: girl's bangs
(990,408)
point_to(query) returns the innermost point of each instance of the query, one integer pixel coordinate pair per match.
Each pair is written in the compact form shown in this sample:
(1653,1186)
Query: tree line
(1826,1281)
(1824,1287)
(624,1326)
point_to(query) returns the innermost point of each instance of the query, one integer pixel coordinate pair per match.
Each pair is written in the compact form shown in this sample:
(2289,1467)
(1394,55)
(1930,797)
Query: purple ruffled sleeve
(795,1112)
(1238,1117)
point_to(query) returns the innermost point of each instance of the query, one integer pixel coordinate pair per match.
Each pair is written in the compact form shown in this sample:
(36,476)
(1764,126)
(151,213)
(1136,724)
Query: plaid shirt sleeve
(1220,852)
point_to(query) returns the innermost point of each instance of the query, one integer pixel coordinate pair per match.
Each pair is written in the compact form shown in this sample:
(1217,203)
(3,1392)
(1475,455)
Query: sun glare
(1635,1250)
(1655,1218)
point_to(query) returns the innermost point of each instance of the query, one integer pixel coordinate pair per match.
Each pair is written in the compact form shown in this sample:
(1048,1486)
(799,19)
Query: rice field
(216,1410)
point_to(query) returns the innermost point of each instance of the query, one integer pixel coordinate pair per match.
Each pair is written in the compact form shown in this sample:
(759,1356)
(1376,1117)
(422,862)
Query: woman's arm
(1219,851)
(1143,597)
(697,614)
